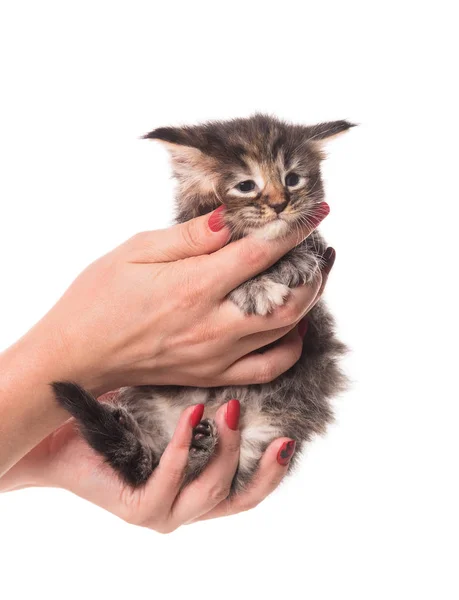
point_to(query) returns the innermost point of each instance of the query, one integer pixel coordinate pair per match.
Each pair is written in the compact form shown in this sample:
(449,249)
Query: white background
(372,512)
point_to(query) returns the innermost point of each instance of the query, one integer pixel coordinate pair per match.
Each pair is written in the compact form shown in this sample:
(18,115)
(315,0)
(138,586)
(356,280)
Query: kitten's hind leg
(202,449)
(111,431)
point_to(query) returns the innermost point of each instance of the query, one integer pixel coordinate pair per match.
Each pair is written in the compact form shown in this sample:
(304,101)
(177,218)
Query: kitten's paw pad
(204,436)
(203,429)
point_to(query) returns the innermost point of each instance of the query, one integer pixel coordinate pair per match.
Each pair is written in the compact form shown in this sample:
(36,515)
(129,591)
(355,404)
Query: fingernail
(233,410)
(216,222)
(303,327)
(321,212)
(329,259)
(286,452)
(196,415)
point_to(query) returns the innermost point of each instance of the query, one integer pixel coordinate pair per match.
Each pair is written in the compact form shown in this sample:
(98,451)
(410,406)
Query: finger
(256,341)
(249,256)
(273,467)
(214,484)
(263,368)
(163,486)
(201,235)
(329,260)
(298,303)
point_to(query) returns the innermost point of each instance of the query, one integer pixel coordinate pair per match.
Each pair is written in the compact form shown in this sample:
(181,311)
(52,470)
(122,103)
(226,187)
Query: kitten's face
(266,172)
(272,190)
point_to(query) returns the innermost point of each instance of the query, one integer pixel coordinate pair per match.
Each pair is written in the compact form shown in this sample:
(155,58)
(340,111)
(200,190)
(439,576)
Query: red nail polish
(196,415)
(233,410)
(286,452)
(303,327)
(216,222)
(329,259)
(321,212)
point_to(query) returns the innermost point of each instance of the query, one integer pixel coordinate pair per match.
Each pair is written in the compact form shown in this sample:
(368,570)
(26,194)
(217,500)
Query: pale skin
(152,311)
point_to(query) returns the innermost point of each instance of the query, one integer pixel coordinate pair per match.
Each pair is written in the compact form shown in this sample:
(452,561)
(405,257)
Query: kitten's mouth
(275,228)
(269,227)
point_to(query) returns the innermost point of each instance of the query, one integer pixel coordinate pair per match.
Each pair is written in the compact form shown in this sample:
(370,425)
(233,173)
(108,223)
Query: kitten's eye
(292,180)
(246,186)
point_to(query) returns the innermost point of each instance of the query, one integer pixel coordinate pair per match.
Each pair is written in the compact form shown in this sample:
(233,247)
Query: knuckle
(164,528)
(296,351)
(293,309)
(131,518)
(218,492)
(195,290)
(254,255)
(274,483)
(233,447)
(174,475)
(135,243)
(290,312)
(268,372)
(130,508)
(209,371)
(138,238)
(191,235)
(140,516)
(292,355)
(248,504)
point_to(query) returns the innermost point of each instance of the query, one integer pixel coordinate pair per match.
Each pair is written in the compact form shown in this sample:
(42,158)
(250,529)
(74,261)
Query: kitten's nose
(278,208)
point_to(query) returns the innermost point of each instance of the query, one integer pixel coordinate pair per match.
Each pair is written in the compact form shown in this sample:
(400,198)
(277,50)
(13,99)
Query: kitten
(267,174)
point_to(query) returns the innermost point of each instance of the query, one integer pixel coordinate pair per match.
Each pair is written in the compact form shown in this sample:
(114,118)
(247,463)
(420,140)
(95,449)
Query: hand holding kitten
(64,460)
(152,311)
(160,304)
(179,271)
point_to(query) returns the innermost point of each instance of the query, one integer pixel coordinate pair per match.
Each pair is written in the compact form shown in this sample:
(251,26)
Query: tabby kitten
(267,174)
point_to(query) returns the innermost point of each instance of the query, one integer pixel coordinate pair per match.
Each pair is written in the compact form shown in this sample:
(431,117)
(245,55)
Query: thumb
(201,235)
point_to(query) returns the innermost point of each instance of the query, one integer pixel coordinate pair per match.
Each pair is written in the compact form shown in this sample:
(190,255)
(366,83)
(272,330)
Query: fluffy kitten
(267,174)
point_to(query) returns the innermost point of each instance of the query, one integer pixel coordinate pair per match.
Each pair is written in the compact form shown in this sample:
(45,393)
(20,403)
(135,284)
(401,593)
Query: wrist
(28,410)
(39,357)
(47,353)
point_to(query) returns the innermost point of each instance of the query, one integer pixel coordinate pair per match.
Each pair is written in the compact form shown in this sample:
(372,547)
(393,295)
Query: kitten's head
(266,172)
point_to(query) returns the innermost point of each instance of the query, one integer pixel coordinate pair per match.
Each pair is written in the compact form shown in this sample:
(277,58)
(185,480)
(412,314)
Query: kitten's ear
(322,133)
(182,143)
(180,136)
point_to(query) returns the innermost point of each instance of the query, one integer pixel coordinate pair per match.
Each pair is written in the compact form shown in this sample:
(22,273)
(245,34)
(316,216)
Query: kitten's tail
(109,430)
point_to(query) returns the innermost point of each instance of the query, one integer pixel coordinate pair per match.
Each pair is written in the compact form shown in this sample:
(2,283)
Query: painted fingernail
(233,410)
(286,452)
(196,415)
(303,327)
(216,222)
(329,259)
(321,212)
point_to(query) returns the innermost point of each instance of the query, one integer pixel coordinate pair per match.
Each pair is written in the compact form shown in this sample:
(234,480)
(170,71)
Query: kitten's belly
(161,412)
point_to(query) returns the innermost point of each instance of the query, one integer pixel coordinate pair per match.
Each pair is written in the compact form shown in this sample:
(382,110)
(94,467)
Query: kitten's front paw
(260,296)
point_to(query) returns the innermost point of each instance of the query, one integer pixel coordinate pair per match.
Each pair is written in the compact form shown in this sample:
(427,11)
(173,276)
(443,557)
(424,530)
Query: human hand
(155,311)
(152,311)
(64,460)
